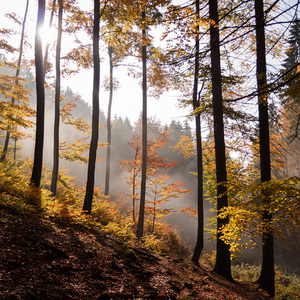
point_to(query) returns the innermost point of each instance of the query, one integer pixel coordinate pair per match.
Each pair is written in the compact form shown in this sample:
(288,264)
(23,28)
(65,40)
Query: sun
(47,34)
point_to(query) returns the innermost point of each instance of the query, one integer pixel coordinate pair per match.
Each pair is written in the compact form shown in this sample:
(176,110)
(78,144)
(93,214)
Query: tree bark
(199,244)
(47,44)
(5,148)
(57,103)
(40,95)
(87,206)
(108,151)
(134,184)
(140,227)
(267,276)
(222,265)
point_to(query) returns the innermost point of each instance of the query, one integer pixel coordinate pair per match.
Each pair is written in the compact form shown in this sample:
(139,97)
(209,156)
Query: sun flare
(47,34)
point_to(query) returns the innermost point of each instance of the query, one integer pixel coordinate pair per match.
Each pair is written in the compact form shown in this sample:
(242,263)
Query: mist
(122,131)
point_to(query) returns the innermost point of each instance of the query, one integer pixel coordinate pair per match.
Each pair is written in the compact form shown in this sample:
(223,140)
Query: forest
(201,206)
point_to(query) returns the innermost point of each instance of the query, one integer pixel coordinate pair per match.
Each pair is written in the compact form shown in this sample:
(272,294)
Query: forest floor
(49,259)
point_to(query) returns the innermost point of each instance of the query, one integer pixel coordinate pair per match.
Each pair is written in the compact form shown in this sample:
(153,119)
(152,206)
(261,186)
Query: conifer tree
(290,91)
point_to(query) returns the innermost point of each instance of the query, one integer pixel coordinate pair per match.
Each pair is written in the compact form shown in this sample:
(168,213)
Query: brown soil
(50,259)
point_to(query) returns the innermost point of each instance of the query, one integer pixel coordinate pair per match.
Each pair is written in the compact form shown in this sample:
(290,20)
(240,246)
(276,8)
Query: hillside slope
(49,259)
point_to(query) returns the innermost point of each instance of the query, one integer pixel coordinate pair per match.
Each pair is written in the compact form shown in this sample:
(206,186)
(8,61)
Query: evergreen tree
(291,69)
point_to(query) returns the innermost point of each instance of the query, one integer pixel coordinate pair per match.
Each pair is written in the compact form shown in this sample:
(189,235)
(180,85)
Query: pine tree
(291,97)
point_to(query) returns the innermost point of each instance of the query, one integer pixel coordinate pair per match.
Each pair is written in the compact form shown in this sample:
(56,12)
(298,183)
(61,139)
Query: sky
(127,99)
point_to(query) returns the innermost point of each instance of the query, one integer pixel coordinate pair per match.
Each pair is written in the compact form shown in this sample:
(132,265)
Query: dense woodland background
(226,176)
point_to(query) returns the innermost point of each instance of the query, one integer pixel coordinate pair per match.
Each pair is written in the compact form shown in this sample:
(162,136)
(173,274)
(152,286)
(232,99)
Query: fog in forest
(122,131)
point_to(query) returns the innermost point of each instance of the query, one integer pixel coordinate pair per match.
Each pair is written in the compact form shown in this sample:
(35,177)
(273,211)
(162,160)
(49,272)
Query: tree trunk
(40,95)
(267,276)
(140,227)
(222,265)
(134,184)
(108,151)
(47,44)
(5,148)
(199,243)
(57,103)
(87,206)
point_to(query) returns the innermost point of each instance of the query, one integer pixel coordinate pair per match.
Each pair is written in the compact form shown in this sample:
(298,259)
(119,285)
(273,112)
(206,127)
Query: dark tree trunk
(108,150)
(140,227)
(40,95)
(5,148)
(87,206)
(267,276)
(57,103)
(222,265)
(199,243)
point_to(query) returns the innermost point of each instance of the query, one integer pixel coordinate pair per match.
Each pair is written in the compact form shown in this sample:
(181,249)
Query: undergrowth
(66,206)
(17,193)
(287,286)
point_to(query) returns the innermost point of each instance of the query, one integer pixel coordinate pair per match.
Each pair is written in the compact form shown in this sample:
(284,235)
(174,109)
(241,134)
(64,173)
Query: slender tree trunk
(5,148)
(40,94)
(222,265)
(199,243)
(154,214)
(87,206)
(134,185)
(108,150)
(57,103)
(140,227)
(47,44)
(267,276)
(133,198)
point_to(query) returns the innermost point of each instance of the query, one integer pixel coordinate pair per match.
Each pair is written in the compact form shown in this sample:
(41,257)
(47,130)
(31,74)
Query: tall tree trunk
(222,265)
(140,227)
(267,276)
(57,103)
(87,206)
(134,184)
(199,243)
(48,44)
(154,208)
(40,95)
(108,150)
(5,148)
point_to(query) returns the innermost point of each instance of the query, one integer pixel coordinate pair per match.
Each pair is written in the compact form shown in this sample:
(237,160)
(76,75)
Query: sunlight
(47,34)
